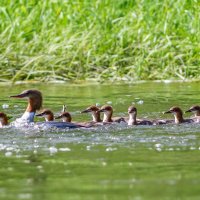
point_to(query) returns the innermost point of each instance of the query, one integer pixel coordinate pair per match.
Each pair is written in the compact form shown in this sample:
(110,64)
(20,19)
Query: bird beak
(86,111)
(169,111)
(40,114)
(101,110)
(190,110)
(130,111)
(22,95)
(58,117)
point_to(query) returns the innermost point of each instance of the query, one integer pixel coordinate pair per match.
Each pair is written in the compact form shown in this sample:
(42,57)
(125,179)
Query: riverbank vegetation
(103,39)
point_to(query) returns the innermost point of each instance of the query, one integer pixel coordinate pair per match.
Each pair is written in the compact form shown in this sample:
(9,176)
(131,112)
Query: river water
(109,162)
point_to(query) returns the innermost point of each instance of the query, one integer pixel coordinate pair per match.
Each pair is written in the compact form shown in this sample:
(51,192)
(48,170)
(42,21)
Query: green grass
(99,39)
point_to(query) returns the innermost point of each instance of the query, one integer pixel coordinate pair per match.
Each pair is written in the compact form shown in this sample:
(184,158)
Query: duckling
(108,112)
(65,116)
(196,110)
(178,115)
(94,112)
(132,111)
(47,114)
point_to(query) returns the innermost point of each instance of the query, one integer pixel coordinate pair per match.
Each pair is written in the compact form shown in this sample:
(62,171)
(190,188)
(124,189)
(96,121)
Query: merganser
(178,115)
(3,119)
(107,117)
(132,111)
(47,114)
(65,116)
(94,112)
(34,104)
(196,110)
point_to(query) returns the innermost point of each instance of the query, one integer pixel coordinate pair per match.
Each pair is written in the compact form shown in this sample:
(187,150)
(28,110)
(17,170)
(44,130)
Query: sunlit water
(109,162)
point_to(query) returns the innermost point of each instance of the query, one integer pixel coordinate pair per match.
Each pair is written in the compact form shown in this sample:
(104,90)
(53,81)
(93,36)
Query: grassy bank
(101,39)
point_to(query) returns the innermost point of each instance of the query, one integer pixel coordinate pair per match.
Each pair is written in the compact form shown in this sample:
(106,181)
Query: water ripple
(173,137)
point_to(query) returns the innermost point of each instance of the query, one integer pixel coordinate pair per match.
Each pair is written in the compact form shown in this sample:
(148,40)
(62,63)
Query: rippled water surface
(110,162)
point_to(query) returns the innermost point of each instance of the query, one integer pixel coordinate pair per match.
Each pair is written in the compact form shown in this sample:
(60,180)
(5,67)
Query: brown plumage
(3,119)
(108,112)
(178,115)
(196,110)
(132,111)
(94,112)
(47,114)
(34,99)
(65,116)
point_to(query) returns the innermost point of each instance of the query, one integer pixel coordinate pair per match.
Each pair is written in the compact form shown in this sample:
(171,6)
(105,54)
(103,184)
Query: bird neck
(178,118)
(132,119)
(96,117)
(107,117)
(49,118)
(66,119)
(26,117)
(33,104)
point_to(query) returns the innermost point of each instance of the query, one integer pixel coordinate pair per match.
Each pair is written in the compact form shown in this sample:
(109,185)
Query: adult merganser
(94,112)
(47,114)
(132,111)
(107,117)
(34,104)
(196,110)
(178,115)
(3,119)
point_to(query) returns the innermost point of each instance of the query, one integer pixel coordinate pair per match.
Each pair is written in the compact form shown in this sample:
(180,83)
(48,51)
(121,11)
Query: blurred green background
(99,40)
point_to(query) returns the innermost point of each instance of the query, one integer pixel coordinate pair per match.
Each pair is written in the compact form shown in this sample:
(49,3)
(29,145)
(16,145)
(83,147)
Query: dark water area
(108,162)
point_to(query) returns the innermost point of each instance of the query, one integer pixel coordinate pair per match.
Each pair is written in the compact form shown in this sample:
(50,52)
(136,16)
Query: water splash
(165,137)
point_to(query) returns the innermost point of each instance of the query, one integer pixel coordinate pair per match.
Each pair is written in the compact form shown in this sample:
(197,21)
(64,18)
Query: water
(115,162)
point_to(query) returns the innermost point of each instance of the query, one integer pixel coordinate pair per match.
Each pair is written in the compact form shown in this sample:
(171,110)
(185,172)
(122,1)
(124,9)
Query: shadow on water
(109,162)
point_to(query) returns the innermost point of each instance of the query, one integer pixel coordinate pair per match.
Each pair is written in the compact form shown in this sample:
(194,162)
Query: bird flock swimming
(35,101)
